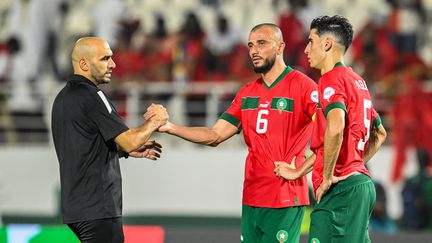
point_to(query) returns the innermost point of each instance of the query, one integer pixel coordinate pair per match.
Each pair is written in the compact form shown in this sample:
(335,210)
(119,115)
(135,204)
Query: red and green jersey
(277,125)
(343,88)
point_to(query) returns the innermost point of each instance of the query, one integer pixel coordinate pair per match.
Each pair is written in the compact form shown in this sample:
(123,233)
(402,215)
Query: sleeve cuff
(376,122)
(334,105)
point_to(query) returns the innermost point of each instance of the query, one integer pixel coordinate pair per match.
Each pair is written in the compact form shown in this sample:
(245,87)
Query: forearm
(307,166)
(376,139)
(135,138)
(332,145)
(200,135)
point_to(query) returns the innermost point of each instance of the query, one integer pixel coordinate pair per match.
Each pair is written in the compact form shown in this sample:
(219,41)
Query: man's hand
(150,150)
(322,189)
(286,170)
(165,128)
(325,185)
(156,113)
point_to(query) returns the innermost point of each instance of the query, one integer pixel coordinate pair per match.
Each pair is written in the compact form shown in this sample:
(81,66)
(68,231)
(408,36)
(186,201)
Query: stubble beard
(268,64)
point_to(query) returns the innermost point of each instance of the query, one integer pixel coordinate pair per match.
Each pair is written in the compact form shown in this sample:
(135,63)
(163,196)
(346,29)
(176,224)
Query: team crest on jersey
(282,236)
(314,240)
(328,92)
(281,104)
(314,96)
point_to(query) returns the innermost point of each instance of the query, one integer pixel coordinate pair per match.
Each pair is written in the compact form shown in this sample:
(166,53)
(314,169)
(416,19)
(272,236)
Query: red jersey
(343,88)
(277,125)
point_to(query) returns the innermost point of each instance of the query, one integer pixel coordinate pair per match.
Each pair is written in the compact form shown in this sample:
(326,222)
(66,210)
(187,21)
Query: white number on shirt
(262,122)
(367,104)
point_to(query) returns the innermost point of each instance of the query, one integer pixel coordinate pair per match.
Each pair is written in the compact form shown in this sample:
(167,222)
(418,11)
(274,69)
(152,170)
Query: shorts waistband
(353,180)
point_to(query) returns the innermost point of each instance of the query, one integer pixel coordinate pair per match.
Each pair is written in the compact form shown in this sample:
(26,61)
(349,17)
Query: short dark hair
(337,25)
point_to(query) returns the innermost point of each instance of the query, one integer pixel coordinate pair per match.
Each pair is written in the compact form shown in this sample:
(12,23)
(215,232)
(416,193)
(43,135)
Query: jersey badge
(328,92)
(282,236)
(314,96)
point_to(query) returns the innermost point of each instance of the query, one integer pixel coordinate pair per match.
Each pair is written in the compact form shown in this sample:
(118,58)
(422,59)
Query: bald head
(276,32)
(91,58)
(85,47)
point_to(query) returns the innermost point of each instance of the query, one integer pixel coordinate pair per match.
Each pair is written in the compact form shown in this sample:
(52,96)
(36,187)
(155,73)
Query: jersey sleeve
(233,114)
(310,97)
(103,114)
(332,95)
(376,119)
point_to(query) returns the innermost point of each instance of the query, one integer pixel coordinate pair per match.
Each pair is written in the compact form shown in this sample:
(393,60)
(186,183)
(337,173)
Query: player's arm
(333,137)
(221,131)
(376,139)
(136,139)
(290,172)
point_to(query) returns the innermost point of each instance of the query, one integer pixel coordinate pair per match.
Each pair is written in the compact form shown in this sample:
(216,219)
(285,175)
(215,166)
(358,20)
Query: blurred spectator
(7,51)
(294,34)
(158,51)
(417,196)
(372,51)
(220,47)
(404,86)
(380,220)
(405,21)
(189,51)
(35,24)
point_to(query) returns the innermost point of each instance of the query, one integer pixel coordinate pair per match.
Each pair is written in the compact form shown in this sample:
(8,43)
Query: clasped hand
(157,113)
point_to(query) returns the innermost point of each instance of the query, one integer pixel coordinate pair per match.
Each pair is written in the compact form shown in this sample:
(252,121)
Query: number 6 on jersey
(261,125)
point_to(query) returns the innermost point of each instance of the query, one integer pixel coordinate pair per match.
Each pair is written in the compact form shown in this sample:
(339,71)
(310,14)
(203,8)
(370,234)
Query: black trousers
(108,230)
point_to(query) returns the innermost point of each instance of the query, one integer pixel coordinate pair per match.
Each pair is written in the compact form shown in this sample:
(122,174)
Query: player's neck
(273,73)
(330,63)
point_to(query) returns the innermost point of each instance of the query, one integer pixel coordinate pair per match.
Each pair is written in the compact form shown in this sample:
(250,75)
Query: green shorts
(343,214)
(271,225)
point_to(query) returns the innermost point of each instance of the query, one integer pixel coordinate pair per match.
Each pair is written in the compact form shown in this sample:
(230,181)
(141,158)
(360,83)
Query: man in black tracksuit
(89,137)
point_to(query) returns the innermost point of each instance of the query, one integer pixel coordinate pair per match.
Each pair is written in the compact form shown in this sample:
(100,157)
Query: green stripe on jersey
(283,104)
(249,103)
(334,105)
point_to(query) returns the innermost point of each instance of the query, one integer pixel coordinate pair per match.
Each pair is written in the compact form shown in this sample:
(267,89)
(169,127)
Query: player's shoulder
(299,76)
(250,85)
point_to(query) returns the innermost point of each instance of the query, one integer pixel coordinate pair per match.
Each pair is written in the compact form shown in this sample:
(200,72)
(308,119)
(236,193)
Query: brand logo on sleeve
(314,96)
(328,92)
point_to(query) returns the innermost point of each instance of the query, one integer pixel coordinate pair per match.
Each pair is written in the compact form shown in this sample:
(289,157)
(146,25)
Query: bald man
(275,113)
(89,137)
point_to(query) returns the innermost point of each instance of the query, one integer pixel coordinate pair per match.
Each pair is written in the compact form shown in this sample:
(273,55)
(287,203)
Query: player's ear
(328,43)
(281,48)
(83,64)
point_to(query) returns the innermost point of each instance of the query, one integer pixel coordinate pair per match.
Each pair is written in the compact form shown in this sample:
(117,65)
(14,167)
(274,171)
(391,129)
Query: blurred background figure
(380,220)
(417,196)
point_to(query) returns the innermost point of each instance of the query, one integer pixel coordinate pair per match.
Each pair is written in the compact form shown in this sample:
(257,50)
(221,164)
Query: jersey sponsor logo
(314,96)
(328,92)
(282,236)
(105,101)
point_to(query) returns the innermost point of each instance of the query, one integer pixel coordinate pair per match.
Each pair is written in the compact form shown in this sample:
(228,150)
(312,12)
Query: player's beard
(268,64)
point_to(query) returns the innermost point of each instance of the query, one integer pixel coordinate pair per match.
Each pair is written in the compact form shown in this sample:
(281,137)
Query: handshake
(158,115)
